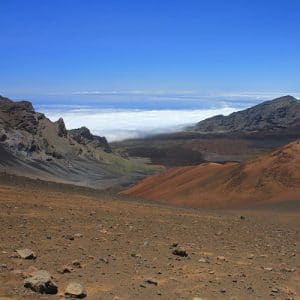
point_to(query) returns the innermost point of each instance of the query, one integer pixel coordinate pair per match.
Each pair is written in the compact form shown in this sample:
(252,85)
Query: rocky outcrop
(271,116)
(19,115)
(9,105)
(61,128)
(83,136)
(29,134)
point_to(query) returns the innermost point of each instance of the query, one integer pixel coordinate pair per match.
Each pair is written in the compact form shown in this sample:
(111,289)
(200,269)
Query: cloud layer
(118,125)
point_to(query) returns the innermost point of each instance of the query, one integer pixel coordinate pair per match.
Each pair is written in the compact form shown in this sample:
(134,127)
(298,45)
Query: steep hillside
(32,145)
(274,116)
(273,177)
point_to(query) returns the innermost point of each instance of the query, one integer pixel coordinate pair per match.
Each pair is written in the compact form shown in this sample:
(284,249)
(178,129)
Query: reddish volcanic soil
(274,177)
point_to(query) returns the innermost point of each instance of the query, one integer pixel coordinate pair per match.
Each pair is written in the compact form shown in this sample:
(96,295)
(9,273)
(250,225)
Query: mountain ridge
(273,116)
(38,147)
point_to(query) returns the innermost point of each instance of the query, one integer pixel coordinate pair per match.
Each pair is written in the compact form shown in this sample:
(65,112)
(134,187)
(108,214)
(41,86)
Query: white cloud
(122,124)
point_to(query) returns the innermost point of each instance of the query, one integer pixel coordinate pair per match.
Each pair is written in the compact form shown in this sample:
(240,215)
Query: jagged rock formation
(83,136)
(31,144)
(61,128)
(28,133)
(271,116)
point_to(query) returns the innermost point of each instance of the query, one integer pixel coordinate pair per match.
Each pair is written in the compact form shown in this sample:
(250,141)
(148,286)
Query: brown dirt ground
(137,237)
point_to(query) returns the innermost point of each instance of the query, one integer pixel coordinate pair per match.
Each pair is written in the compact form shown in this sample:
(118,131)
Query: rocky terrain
(58,242)
(273,177)
(32,145)
(276,116)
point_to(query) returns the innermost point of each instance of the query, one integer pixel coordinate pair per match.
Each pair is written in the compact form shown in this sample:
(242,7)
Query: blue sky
(58,48)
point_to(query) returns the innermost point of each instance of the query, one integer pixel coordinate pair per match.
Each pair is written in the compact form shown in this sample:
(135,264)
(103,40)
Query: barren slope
(125,248)
(273,177)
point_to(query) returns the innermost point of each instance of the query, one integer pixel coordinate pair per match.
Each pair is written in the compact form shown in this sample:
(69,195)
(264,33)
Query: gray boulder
(41,282)
(75,290)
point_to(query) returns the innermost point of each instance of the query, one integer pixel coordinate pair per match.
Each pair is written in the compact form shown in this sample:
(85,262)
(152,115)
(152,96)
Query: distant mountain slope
(274,177)
(32,145)
(238,137)
(277,115)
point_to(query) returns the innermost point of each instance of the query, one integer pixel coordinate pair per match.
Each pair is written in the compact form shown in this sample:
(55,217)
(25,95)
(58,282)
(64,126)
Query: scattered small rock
(78,235)
(275,290)
(76,263)
(221,258)
(104,259)
(151,281)
(41,282)
(75,290)
(70,237)
(66,269)
(179,251)
(26,254)
(136,255)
